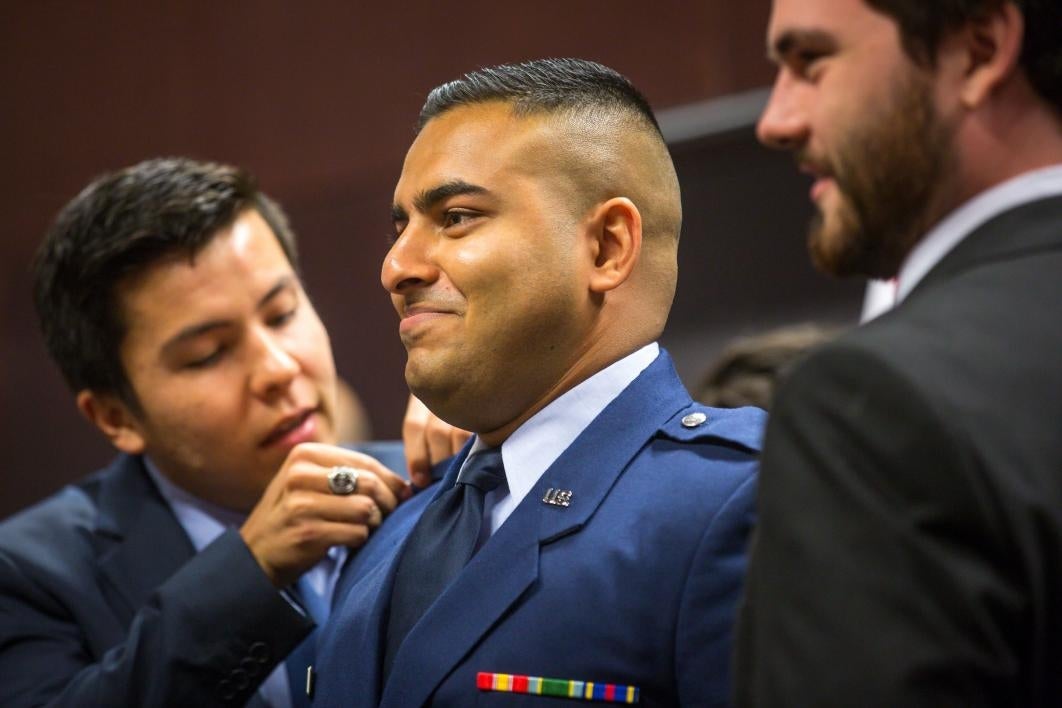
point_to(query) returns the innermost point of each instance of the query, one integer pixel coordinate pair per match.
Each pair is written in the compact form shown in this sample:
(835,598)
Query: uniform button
(252,667)
(239,679)
(259,651)
(693,420)
(226,690)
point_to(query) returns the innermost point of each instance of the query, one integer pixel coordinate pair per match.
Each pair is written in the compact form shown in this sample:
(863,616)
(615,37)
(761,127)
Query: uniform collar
(536,444)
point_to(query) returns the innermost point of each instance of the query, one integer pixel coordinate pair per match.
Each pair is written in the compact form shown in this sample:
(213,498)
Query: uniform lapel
(140,542)
(508,563)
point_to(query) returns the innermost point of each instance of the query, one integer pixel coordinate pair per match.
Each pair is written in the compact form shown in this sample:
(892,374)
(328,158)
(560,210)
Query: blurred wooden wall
(318,98)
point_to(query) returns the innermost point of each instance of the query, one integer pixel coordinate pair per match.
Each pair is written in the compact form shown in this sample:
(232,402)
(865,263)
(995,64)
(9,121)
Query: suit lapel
(1028,228)
(140,543)
(508,563)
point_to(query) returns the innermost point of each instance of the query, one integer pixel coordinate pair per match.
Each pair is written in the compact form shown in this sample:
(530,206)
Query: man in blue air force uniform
(593,533)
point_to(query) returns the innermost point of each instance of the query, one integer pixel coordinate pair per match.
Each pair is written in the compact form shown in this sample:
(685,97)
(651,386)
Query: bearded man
(910,530)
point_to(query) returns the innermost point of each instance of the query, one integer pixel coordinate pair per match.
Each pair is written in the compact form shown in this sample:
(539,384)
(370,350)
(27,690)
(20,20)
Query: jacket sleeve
(705,627)
(207,636)
(876,576)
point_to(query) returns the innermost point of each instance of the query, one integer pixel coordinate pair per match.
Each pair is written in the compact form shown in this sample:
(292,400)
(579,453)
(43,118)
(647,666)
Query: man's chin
(838,247)
(827,245)
(425,384)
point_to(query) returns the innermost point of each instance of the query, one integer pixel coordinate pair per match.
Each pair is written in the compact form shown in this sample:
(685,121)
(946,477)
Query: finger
(394,484)
(376,489)
(315,460)
(415,442)
(352,509)
(420,476)
(439,442)
(458,438)
(334,533)
(314,480)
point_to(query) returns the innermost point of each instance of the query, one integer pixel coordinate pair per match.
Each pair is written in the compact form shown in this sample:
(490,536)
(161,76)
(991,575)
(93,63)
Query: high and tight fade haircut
(542,86)
(925,23)
(117,227)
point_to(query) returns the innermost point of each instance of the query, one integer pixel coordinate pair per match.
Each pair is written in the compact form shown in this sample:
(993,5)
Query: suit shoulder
(738,428)
(899,356)
(51,529)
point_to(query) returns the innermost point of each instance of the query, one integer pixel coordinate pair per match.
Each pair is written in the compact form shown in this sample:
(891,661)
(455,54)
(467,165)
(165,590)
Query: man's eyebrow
(195,330)
(424,201)
(283,283)
(787,42)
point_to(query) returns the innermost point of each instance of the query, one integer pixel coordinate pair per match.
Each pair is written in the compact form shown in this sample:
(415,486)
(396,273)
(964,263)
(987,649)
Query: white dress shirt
(537,444)
(204,522)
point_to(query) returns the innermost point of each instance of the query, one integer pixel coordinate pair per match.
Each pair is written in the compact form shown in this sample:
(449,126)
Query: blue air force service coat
(633,585)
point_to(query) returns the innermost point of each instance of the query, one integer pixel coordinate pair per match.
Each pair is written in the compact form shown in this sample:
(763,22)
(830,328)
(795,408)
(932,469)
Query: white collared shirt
(537,444)
(204,522)
(946,235)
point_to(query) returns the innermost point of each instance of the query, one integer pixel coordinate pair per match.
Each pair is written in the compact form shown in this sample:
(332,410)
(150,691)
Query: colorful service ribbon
(561,688)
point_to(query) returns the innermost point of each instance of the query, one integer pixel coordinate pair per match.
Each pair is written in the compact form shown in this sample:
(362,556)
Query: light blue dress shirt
(537,444)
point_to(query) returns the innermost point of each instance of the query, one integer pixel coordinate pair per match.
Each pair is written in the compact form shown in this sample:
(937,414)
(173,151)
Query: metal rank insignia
(558,497)
(560,688)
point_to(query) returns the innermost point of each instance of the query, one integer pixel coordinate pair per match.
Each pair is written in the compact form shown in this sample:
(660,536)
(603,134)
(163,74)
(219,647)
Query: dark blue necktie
(439,546)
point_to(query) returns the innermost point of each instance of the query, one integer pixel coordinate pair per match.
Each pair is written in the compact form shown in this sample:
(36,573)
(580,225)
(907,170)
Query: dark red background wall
(318,98)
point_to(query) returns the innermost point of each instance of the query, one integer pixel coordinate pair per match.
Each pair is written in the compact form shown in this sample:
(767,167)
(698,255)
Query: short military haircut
(542,86)
(924,23)
(612,124)
(117,227)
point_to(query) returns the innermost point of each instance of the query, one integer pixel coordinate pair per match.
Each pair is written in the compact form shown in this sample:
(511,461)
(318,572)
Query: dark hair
(542,86)
(119,225)
(924,23)
(750,369)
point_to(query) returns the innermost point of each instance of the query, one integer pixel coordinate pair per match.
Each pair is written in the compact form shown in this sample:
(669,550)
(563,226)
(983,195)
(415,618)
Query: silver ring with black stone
(343,480)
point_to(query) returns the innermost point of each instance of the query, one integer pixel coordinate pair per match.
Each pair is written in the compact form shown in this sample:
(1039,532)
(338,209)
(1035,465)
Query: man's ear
(992,43)
(615,242)
(113,418)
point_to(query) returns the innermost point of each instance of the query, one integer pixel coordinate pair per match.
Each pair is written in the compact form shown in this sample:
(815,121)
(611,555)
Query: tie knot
(484,470)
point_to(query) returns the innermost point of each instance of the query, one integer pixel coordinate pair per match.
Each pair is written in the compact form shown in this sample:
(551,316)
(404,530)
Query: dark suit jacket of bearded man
(909,551)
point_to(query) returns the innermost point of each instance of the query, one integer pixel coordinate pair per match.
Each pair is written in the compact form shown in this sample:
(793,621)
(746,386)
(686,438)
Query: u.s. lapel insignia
(558,497)
(560,688)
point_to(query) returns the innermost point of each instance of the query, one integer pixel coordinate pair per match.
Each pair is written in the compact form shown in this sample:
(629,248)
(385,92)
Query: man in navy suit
(169,297)
(590,541)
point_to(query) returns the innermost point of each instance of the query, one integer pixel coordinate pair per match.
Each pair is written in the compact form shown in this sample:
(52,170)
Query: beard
(887,172)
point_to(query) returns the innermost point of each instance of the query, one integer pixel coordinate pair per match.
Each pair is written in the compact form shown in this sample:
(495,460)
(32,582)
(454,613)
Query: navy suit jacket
(635,583)
(104,602)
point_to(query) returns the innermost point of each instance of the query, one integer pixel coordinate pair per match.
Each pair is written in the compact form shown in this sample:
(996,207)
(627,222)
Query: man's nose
(274,366)
(409,262)
(784,124)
